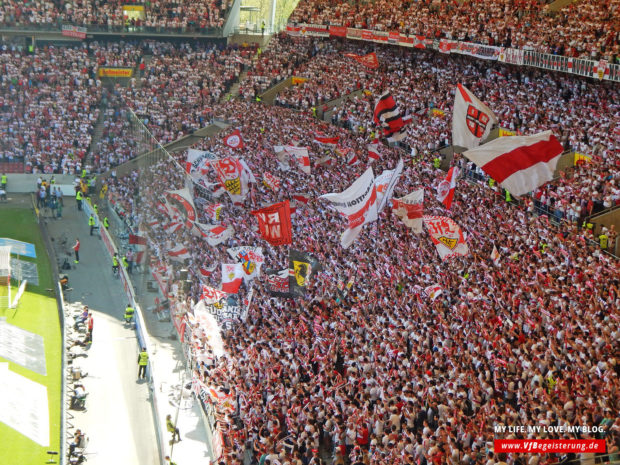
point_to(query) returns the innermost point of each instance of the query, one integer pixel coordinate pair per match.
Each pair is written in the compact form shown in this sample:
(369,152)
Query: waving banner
(300,154)
(225,311)
(274,223)
(385,184)
(302,266)
(472,120)
(251,259)
(215,235)
(409,208)
(233,177)
(232,277)
(358,204)
(277,282)
(197,161)
(181,201)
(271,181)
(446,235)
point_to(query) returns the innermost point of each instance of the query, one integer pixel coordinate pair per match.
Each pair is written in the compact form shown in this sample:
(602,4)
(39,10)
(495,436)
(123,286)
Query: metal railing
(30,28)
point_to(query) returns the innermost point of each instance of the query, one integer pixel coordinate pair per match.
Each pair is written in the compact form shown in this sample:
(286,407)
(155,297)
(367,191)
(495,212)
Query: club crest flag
(181,201)
(301,268)
(446,235)
(274,223)
(251,259)
(433,291)
(213,211)
(385,184)
(271,181)
(234,140)
(358,204)
(233,177)
(410,209)
(472,120)
(211,295)
(232,277)
(445,189)
(520,164)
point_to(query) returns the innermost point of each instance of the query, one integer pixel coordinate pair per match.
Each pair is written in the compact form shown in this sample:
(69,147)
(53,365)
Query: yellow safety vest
(4,179)
(91,221)
(602,240)
(144,358)
(78,196)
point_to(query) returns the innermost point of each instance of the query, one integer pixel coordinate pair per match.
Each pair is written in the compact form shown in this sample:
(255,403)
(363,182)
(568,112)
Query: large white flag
(251,259)
(472,120)
(358,204)
(232,277)
(520,164)
(300,154)
(385,184)
(410,209)
(197,161)
(446,235)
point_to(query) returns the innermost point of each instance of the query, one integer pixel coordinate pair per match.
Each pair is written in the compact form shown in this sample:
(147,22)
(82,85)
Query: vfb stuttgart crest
(477,121)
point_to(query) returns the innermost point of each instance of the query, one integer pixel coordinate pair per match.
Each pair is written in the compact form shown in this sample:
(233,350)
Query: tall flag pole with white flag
(472,120)
(358,204)
(385,189)
(410,209)
(445,189)
(520,164)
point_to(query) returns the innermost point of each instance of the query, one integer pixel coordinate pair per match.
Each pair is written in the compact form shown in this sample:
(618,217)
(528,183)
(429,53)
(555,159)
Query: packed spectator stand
(377,372)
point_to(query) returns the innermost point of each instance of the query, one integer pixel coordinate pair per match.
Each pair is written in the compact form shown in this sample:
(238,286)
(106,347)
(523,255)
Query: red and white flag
(389,117)
(445,189)
(215,235)
(322,139)
(433,291)
(410,209)
(234,140)
(173,227)
(358,204)
(181,201)
(495,256)
(197,161)
(303,198)
(232,277)
(234,177)
(213,211)
(271,181)
(211,295)
(300,154)
(326,160)
(274,223)
(520,164)
(207,271)
(385,184)
(446,235)
(352,158)
(472,120)
(179,253)
(370,60)
(373,150)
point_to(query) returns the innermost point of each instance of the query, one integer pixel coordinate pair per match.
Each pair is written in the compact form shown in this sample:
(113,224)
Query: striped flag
(373,150)
(520,164)
(389,117)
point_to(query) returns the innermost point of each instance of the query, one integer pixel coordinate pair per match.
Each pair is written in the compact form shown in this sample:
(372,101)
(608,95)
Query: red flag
(445,190)
(138,240)
(234,140)
(371,61)
(274,223)
(304,198)
(324,140)
(388,115)
(232,277)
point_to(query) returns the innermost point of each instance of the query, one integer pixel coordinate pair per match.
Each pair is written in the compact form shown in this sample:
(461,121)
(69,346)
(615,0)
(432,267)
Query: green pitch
(37,312)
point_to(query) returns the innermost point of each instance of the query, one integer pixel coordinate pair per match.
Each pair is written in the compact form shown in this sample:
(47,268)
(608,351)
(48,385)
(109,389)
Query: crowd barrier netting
(153,172)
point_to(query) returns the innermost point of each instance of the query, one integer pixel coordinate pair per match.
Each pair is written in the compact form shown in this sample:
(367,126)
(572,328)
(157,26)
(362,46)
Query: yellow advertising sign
(505,132)
(581,158)
(133,8)
(115,72)
(298,80)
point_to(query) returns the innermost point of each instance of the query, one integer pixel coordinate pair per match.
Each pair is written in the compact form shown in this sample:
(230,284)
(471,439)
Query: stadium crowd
(192,15)
(382,373)
(370,367)
(588,28)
